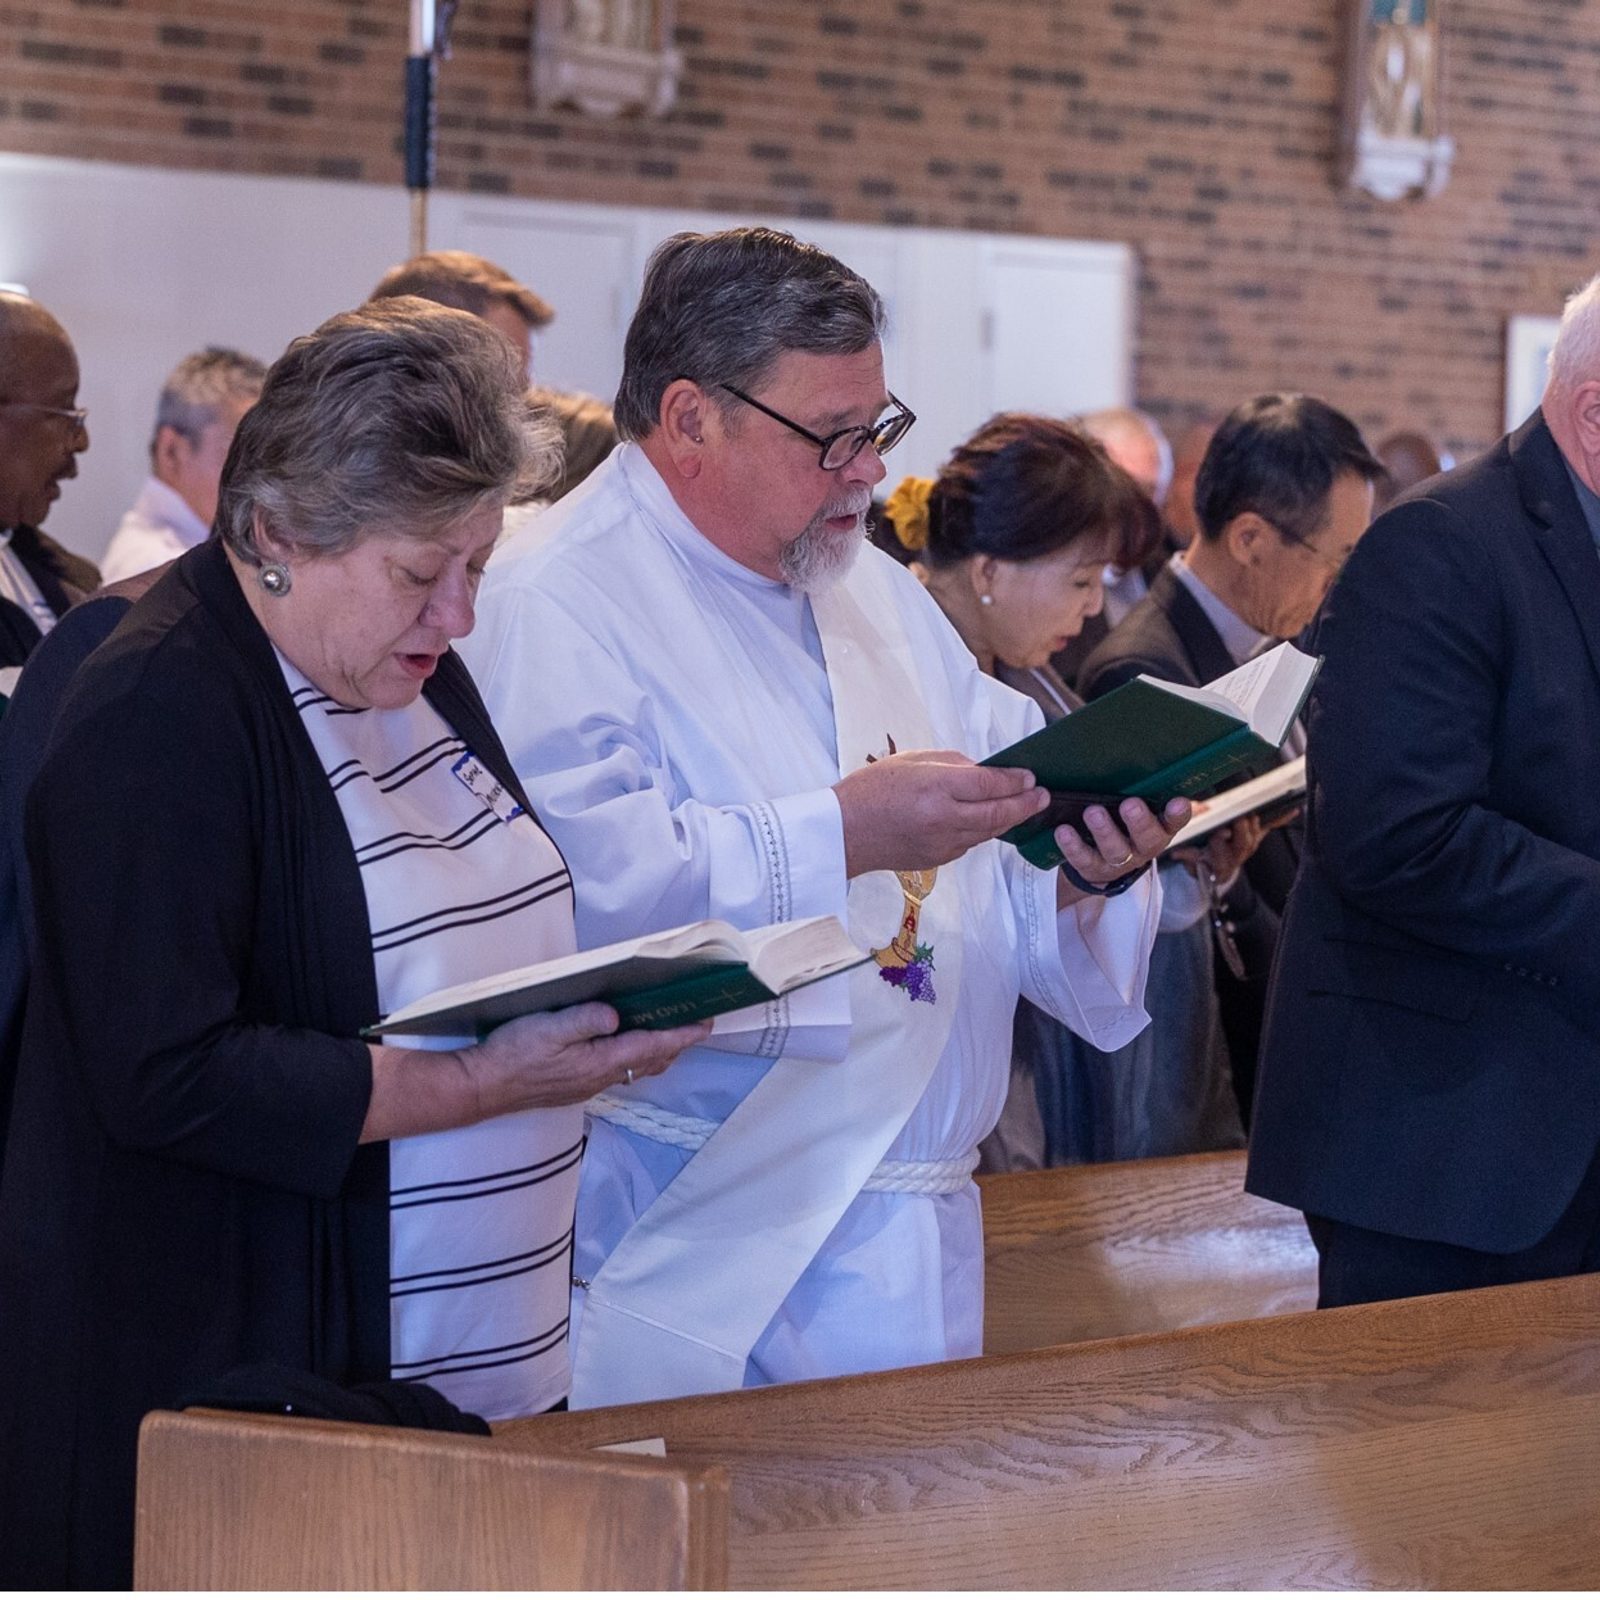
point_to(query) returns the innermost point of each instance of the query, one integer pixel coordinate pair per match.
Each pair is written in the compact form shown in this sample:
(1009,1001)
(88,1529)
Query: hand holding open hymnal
(1158,742)
(659,981)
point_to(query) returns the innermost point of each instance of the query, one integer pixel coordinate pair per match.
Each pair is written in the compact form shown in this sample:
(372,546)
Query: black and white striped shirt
(480,1232)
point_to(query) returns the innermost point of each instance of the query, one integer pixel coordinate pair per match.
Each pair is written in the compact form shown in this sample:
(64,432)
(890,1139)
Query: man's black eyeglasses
(841,448)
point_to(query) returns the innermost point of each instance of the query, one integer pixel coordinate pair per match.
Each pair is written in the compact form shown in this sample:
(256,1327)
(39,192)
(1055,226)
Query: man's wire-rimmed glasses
(841,448)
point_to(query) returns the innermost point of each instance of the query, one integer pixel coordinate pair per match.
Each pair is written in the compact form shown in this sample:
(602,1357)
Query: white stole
(679,1304)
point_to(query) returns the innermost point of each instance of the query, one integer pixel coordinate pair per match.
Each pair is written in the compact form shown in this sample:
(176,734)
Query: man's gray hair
(723,307)
(401,416)
(1575,356)
(200,386)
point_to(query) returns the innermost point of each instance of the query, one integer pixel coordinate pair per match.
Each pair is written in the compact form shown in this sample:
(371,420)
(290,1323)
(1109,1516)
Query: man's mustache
(856,507)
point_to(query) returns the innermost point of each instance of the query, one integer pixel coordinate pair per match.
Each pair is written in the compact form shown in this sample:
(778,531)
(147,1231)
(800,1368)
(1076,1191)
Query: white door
(1058,325)
(584,266)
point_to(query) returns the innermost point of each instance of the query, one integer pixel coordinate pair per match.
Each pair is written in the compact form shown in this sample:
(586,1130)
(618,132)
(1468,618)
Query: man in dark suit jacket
(1282,495)
(1430,1085)
(42,433)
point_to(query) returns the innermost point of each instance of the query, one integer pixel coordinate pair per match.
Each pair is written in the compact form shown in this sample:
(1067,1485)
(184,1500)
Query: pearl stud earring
(274,578)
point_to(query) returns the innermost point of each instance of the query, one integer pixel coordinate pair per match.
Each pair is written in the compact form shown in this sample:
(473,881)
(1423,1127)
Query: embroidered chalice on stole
(905,962)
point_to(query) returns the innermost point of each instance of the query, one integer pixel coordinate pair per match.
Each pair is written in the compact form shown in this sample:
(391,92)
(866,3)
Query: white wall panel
(144,265)
(1057,325)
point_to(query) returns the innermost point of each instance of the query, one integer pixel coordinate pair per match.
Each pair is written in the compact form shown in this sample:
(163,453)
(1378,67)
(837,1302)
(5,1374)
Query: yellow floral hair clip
(908,511)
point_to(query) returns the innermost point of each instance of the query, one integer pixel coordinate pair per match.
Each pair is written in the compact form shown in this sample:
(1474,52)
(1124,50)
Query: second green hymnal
(1158,742)
(658,981)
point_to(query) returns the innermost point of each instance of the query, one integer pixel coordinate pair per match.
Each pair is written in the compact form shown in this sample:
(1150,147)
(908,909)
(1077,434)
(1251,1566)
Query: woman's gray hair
(402,415)
(723,307)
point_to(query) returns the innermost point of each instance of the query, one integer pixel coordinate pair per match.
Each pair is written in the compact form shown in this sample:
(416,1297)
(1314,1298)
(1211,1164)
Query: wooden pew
(1097,1252)
(279,1503)
(1447,1442)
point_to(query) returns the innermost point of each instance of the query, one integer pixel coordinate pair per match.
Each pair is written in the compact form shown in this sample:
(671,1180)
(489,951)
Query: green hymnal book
(1159,741)
(659,981)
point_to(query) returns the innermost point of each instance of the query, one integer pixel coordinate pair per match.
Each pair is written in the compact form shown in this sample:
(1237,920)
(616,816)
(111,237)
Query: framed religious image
(1528,342)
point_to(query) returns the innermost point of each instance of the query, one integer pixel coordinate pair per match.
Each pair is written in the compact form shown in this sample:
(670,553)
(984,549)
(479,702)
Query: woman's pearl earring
(274,578)
(985,599)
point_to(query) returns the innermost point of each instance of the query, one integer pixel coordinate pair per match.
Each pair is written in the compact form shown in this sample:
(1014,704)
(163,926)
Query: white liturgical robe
(672,715)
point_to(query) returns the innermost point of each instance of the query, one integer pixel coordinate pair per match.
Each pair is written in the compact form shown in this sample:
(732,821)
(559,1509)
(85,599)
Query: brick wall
(1200,131)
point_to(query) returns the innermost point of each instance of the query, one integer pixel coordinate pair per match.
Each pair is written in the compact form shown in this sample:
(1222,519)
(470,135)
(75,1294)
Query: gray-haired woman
(274,808)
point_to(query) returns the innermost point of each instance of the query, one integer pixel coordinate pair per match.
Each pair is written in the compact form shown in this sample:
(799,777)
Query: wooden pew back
(253,1502)
(1445,1442)
(1097,1252)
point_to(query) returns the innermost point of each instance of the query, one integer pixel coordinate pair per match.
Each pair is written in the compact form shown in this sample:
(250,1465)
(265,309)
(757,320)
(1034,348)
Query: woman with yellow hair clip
(1011,540)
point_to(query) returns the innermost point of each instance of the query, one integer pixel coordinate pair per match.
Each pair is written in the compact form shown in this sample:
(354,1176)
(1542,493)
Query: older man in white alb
(725,704)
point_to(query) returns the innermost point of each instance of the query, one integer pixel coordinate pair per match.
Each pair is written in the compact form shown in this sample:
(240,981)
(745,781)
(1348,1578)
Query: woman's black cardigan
(184,1190)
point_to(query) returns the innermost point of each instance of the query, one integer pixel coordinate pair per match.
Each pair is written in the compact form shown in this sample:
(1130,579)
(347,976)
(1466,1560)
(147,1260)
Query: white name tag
(487,788)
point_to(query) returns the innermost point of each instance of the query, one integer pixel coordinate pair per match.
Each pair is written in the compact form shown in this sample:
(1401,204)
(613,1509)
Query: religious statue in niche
(1401,98)
(624,23)
(1394,147)
(606,57)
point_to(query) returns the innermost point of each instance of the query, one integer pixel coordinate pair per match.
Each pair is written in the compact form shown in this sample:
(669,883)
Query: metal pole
(421,78)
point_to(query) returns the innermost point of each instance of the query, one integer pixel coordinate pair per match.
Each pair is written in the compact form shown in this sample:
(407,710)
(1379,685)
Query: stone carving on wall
(1394,146)
(606,57)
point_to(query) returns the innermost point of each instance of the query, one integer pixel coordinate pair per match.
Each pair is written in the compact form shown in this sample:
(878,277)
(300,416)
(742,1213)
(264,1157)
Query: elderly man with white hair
(1430,1080)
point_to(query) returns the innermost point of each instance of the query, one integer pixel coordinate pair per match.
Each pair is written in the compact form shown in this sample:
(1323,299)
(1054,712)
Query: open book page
(711,940)
(1265,692)
(1283,783)
(702,970)
(815,1018)
(791,953)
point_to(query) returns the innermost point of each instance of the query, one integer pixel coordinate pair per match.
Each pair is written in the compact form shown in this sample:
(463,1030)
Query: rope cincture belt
(689,1133)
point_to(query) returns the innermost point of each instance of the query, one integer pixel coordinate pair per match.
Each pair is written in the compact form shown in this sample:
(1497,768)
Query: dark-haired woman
(1011,540)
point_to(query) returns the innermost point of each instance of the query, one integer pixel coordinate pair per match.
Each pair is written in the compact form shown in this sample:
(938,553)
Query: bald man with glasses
(42,433)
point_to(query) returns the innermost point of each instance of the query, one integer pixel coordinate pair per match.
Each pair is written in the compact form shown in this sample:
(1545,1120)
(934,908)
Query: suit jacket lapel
(1201,642)
(63,579)
(1559,526)
(19,633)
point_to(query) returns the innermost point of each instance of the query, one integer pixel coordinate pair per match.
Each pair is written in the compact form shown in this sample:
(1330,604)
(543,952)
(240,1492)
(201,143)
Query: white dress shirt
(160,525)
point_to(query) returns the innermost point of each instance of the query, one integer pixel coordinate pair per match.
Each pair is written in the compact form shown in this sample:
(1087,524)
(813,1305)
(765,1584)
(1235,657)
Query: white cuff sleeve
(1087,965)
(1184,901)
(803,835)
